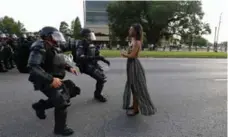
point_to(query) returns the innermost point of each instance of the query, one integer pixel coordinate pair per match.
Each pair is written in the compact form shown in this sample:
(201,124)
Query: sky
(36,14)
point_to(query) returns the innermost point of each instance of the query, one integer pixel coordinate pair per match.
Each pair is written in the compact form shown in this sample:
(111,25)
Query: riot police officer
(14,41)
(31,37)
(2,54)
(47,69)
(8,53)
(86,56)
(21,53)
(10,50)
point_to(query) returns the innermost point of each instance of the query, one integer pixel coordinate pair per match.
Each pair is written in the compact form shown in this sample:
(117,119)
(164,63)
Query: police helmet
(14,36)
(53,33)
(31,35)
(87,33)
(7,35)
(3,35)
(24,36)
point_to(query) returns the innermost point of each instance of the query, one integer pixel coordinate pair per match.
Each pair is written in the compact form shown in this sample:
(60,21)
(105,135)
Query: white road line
(220,79)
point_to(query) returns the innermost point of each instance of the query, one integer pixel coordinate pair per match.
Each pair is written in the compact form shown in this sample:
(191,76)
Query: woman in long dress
(136,80)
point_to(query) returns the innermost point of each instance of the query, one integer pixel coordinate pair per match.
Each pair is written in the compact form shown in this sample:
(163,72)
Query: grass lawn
(167,54)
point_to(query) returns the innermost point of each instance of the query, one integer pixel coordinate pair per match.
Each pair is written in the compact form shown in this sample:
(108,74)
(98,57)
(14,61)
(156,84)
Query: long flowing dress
(136,84)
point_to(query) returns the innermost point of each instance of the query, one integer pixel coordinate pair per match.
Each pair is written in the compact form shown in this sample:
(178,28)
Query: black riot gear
(14,36)
(2,53)
(9,50)
(87,34)
(21,54)
(86,55)
(53,33)
(47,62)
(24,36)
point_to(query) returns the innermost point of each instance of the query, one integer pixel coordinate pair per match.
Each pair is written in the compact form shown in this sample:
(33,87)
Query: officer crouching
(47,69)
(86,57)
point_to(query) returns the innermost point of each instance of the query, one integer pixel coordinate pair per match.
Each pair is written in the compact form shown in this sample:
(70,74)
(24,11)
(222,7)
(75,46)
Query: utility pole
(215,43)
(220,20)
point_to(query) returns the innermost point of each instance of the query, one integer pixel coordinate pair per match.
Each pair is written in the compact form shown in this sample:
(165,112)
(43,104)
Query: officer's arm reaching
(80,55)
(101,57)
(71,69)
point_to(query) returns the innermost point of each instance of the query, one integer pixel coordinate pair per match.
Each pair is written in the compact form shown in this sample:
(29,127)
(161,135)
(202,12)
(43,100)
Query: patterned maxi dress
(136,84)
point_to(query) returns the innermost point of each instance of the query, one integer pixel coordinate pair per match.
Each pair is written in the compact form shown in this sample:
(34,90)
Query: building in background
(96,18)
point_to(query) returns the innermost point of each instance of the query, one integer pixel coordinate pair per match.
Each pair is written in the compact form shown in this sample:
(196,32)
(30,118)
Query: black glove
(106,61)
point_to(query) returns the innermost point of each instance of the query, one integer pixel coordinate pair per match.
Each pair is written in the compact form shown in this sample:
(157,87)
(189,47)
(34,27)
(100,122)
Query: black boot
(2,67)
(11,63)
(100,98)
(60,123)
(97,93)
(40,107)
(6,63)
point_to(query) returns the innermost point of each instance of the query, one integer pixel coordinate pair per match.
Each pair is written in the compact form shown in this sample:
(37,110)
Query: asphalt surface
(190,96)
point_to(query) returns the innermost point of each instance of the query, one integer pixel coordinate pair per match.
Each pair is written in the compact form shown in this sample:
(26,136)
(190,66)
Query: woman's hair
(138,31)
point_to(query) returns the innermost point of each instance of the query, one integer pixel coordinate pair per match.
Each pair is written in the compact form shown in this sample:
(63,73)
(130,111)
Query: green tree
(64,28)
(200,41)
(9,25)
(159,18)
(76,28)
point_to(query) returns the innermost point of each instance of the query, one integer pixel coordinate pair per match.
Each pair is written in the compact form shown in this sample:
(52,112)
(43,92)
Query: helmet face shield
(31,35)
(14,36)
(24,36)
(58,37)
(92,36)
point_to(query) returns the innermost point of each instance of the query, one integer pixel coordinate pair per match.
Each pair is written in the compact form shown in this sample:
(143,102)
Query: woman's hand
(123,53)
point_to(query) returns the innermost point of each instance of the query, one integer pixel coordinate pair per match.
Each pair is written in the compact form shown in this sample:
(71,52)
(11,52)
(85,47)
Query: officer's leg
(60,112)
(98,75)
(60,122)
(6,58)
(11,62)
(2,66)
(41,106)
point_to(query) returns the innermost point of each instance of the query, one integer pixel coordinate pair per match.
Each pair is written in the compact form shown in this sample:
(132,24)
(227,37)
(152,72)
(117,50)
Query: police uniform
(45,63)
(22,53)
(86,56)
(2,53)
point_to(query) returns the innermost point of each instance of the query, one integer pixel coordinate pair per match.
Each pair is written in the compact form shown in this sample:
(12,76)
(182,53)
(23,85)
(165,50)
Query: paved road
(190,95)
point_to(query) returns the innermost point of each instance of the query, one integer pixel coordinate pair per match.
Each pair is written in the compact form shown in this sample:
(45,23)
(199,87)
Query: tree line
(10,26)
(160,19)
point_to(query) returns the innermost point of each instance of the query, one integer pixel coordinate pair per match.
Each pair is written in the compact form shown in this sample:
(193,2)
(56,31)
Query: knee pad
(60,97)
(100,76)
